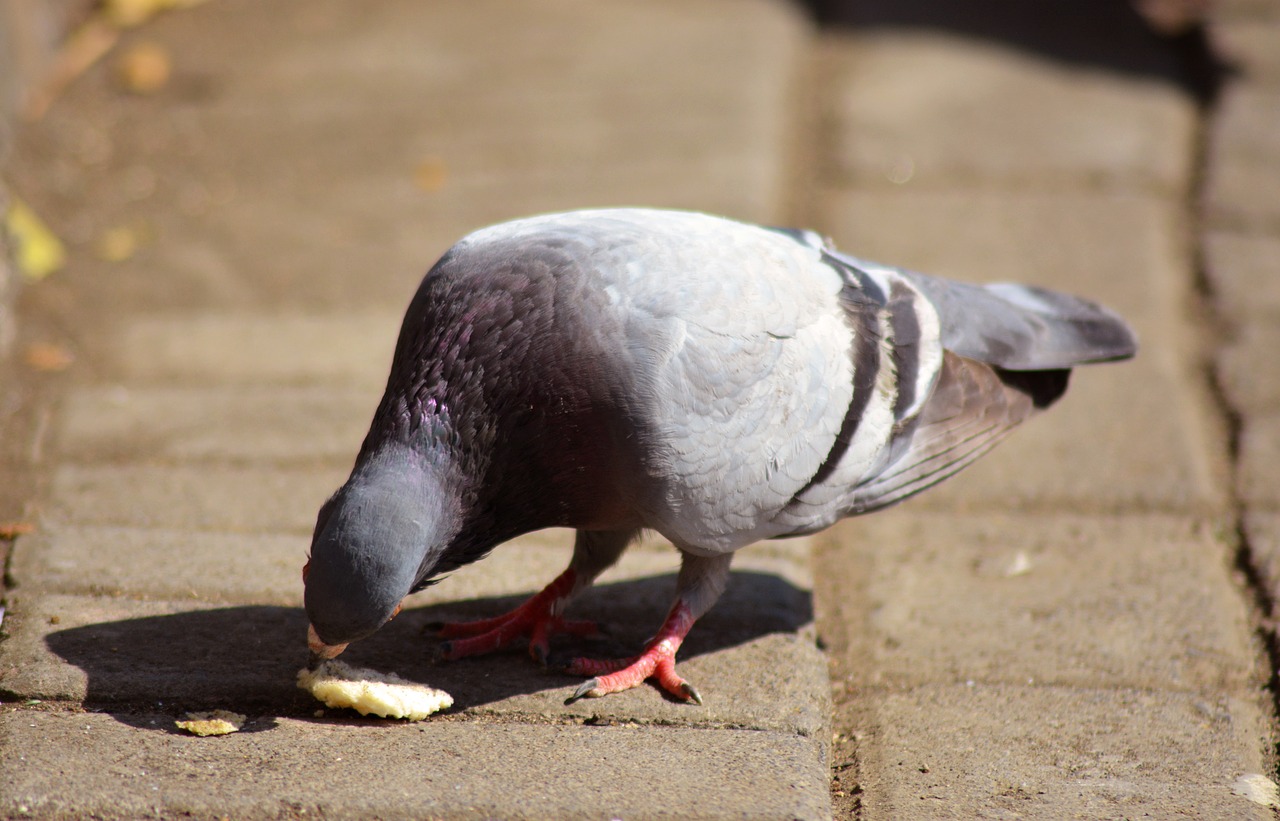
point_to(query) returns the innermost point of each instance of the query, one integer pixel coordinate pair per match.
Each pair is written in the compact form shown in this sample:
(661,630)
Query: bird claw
(587,689)
(440,653)
(691,693)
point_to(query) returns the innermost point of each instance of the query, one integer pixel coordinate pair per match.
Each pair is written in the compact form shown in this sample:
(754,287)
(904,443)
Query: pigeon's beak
(320,652)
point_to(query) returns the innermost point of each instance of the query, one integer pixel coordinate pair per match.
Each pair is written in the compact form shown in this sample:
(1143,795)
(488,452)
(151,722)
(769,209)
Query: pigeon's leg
(702,580)
(541,615)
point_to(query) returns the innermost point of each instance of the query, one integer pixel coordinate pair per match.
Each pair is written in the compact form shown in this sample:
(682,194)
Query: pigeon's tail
(1024,328)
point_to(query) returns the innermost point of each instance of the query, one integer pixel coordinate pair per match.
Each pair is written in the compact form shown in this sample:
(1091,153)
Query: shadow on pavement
(245,658)
(1109,34)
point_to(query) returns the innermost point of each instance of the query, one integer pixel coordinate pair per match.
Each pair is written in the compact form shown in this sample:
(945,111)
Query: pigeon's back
(716,381)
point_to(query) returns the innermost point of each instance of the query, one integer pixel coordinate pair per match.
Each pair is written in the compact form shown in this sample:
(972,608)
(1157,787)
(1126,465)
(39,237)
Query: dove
(625,370)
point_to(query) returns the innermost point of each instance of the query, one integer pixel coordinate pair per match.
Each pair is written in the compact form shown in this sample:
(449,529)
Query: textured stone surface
(194,498)
(251,424)
(130,643)
(1247,367)
(1132,601)
(1258,476)
(921,109)
(410,124)
(1245,140)
(344,348)
(1244,275)
(1051,753)
(1250,45)
(139,766)
(1262,534)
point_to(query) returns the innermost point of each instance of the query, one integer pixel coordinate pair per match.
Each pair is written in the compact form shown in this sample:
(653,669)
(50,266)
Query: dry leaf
(144,68)
(48,356)
(431,174)
(12,530)
(129,13)
(37,250)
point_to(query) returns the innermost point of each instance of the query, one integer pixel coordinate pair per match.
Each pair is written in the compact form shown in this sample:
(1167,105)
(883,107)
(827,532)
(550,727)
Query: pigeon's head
(374,541)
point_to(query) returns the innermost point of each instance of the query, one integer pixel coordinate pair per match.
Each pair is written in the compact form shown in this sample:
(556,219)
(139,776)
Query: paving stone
(174,564)
(191,497)
(138,766)
(409,125)
(924,109)
(1262,531)
(1242,272)
(347,349)
(1243,144)
(238,424)
(1258,474)
(1246,367)
(1249,46)
(960,751)
(753,657)
(1130,601)
(1239,10)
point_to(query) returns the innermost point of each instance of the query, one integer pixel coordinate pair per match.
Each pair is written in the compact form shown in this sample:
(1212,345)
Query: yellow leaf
(37,250)
(130,13)
(144,68)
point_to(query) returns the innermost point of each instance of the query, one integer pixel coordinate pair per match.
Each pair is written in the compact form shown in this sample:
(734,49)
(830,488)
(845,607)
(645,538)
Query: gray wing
(1019,327)
(1007,351)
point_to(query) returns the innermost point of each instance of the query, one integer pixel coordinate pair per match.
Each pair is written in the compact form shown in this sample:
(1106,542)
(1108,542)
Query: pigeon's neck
(419,486)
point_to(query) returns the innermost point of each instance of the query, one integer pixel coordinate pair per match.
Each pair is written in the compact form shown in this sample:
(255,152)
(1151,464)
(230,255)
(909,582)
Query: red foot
(534,618)
(657,661)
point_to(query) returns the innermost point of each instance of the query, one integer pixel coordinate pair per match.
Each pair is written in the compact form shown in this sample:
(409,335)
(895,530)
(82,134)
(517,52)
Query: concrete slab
(1136,601)
(1249,45)
(256,424)
(192,498)
(924,109)
(409,125)
(346,349)
(1052,753)
(1246,367)
(1244,140)
(173,564)
(1258,474)
(1262,532)
(87,764)
(754,657)
(1241,269)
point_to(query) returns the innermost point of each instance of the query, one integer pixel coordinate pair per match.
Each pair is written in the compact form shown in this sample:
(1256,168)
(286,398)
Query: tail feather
(1017,327)
(1024,328)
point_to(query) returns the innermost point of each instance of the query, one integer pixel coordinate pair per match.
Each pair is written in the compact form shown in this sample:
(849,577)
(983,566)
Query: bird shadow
(1108,34)
(246,658)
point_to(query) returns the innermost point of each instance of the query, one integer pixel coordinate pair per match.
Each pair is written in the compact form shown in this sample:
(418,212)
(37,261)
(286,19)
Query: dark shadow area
(1107,34)
(246,658)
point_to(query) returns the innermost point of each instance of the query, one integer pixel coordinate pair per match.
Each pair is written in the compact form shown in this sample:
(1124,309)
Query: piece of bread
(369,692)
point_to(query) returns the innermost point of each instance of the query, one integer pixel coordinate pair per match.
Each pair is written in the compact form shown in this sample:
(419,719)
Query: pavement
(1081,625)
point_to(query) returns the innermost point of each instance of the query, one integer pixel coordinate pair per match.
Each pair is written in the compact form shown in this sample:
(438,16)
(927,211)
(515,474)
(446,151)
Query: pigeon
(625,370)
